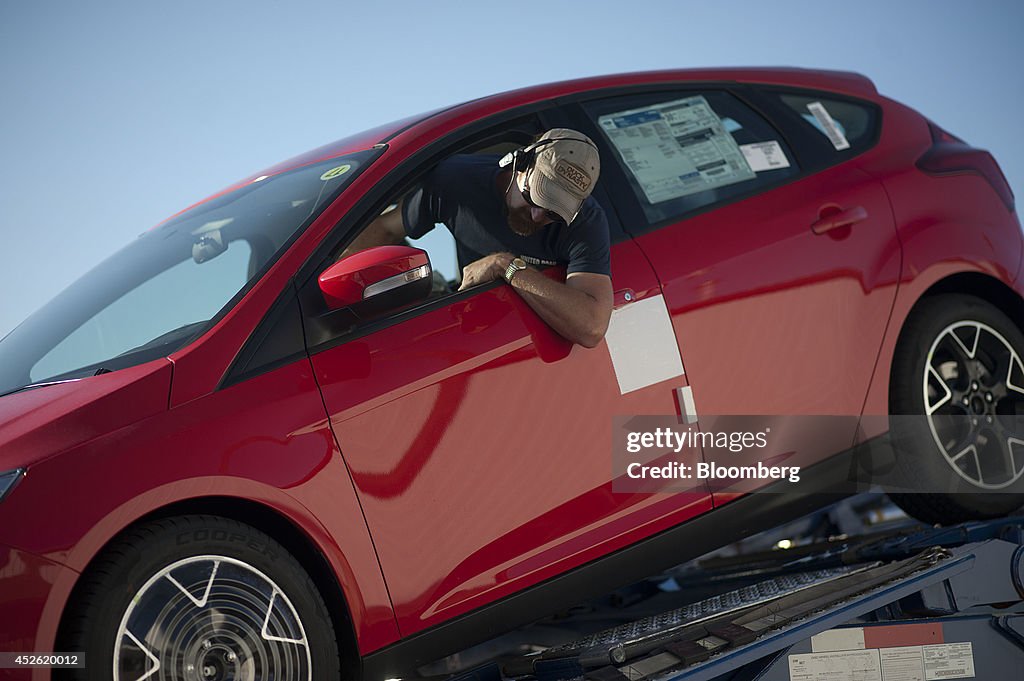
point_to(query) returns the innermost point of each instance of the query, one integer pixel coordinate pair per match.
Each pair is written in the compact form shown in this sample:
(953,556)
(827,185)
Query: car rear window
(848,126)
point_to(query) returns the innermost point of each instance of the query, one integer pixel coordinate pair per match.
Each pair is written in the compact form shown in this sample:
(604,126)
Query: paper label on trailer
(764,156)
(902,664)
(828,124)
(850,638)
(848,665)
(676,148)
(948,661)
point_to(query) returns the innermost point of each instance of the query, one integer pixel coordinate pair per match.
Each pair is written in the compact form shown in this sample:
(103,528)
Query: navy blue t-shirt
(461,193)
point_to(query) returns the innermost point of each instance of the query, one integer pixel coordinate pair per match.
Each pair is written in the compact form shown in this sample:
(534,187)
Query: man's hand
(484,270)
(578,310)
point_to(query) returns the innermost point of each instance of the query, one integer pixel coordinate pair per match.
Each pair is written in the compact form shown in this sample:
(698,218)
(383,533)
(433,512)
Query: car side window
(682,151)
(327,322)
(848,126)
(440,247)
(438,242)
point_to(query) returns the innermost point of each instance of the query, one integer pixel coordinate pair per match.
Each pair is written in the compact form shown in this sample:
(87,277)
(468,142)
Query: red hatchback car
(227,454)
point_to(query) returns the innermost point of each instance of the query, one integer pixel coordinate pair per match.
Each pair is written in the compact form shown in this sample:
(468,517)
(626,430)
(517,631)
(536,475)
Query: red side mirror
(390,276)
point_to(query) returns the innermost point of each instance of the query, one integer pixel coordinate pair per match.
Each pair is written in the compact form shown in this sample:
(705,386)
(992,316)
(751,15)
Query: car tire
(952,375)
(204,597)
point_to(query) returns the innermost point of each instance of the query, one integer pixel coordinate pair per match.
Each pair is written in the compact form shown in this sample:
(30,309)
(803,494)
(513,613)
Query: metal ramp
(935,603)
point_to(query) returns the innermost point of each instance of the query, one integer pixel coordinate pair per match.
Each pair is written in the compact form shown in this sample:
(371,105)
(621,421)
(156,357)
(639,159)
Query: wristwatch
(517,265)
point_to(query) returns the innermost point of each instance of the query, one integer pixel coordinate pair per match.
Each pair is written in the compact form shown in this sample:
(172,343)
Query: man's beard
(523,226)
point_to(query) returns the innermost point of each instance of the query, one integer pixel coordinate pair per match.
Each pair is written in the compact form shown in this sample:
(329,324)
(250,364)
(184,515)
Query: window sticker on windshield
(676,148)
(828,125)
(764,156)
(336,172)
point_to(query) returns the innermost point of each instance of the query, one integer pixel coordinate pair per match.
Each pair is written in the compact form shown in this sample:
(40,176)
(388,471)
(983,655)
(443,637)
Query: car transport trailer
(911,604)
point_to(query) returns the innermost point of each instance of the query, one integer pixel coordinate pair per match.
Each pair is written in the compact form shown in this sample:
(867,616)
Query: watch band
(517,265)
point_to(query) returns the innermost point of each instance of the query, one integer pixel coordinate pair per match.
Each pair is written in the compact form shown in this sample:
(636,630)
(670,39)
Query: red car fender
(910,291)
(977,234)
(225,445)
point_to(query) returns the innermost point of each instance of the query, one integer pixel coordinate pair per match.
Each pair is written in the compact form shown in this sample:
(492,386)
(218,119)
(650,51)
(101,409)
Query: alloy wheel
(973,387)
(211,618)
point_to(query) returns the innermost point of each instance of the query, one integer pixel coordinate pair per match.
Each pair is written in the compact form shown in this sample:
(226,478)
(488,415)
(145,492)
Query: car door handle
(832,217)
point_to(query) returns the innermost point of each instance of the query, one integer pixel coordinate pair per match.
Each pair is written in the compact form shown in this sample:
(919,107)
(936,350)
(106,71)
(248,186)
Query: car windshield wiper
(41,384)
(163,339)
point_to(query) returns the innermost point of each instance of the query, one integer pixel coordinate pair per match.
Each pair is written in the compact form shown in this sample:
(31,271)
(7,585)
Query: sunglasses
(549,214)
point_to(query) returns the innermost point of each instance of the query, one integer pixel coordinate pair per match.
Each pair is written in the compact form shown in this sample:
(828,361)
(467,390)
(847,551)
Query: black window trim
(275,324)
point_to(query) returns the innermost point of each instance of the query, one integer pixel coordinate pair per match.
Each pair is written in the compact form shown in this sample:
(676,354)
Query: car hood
(37,423)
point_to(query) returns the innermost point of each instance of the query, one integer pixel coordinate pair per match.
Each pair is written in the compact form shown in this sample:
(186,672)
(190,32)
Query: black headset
(522,159)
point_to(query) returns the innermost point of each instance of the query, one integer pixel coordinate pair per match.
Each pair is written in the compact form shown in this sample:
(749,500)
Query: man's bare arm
(579,309)
(386,230)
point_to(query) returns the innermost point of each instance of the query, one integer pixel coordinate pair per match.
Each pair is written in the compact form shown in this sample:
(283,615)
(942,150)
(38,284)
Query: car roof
(846,82)
(843,82)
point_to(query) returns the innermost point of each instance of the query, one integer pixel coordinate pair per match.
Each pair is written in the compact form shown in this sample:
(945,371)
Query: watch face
(517,265)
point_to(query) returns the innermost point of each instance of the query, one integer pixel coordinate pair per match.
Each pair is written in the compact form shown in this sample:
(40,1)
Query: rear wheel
(200,598)
(958,364)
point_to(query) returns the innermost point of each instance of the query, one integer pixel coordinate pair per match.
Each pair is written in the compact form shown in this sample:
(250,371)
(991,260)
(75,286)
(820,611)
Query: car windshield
(165,288)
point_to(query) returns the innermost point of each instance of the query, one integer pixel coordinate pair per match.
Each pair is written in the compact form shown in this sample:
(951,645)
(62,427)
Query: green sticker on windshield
(335,172)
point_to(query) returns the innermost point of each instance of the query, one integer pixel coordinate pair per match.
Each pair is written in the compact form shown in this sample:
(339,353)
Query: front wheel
(957,397)
(200,598)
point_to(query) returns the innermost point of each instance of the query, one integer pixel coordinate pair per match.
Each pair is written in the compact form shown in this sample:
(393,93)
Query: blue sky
(117,114)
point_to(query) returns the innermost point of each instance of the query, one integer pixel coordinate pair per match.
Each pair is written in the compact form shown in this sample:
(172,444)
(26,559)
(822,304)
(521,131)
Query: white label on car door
(764,156)
(642,344)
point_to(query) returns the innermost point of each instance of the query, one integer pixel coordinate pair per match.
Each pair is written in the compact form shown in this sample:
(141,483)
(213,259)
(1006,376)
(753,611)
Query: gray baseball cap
(563,172)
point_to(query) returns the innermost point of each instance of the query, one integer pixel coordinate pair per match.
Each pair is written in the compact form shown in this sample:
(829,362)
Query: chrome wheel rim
(211,618)
(973,388)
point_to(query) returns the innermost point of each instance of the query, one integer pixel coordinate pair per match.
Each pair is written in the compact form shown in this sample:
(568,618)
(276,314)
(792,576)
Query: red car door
(779,281)
(479,443)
